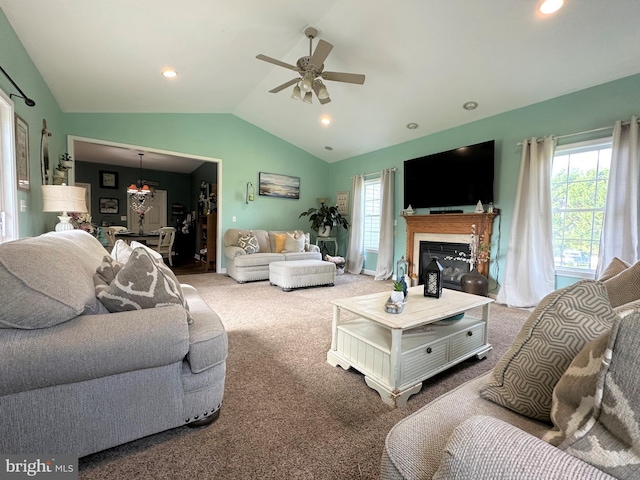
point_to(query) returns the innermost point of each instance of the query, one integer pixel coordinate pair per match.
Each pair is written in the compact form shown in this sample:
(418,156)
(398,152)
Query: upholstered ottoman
(301,273)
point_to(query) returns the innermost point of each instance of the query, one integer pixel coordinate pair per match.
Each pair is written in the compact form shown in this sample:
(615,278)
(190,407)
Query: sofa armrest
(313,248)
(208,344)
(232,251)
(485,447)
(92,346)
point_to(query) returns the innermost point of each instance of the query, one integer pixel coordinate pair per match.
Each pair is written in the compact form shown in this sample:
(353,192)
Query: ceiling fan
(311,71)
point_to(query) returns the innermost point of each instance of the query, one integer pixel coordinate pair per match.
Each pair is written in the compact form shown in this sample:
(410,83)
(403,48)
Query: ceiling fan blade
(284,85)
(276,62)
(316,88)
(322,51)
(344,77)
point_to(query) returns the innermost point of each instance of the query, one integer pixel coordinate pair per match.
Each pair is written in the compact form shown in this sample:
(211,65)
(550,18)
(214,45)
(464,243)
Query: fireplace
(445,252)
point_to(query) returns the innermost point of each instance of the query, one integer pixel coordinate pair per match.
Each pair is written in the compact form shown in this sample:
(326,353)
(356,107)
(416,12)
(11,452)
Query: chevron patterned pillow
(524,378)
(625,286)
(610,439)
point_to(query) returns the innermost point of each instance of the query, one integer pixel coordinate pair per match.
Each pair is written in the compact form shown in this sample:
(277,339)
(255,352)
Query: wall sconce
(250,192)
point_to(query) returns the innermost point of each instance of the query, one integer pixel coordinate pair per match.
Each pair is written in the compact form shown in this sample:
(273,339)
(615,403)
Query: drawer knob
(469,334)
(429,350)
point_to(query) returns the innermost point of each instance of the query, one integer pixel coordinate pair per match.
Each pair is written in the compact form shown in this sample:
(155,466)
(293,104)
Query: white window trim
(369,249)
(9,200)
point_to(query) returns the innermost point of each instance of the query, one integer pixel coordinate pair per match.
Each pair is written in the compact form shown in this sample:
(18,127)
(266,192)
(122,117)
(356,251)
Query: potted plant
(324,218)
(397,296)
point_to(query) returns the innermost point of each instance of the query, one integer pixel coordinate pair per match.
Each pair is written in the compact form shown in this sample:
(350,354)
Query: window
(371,215)
(579,181)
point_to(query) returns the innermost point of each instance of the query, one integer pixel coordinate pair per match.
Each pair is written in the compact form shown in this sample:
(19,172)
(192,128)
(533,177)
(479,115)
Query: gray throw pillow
(625,286)
(248,242)
(615,267)
(610,439)
(107,271)
(524,378)
(142,283)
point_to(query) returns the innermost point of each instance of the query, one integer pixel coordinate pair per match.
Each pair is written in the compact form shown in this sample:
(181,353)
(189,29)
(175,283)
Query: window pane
(578,195)
(372,214)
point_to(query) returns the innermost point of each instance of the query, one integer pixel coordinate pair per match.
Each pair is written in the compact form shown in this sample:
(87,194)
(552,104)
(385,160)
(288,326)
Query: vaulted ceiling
(423,59)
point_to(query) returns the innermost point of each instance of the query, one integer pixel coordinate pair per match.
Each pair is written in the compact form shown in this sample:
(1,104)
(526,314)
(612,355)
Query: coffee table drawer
(424,359)
(466,341)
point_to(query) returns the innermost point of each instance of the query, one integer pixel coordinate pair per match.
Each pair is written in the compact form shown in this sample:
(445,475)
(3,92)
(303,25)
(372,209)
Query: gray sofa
(76,379)
(245,267)
(562,403)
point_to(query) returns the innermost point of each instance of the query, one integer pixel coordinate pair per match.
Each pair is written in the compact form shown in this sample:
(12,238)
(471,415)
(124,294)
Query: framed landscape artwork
(108,205)
(275,185)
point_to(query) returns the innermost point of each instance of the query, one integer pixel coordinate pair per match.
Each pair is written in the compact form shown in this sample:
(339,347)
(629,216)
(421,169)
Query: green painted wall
(588,109)
(243,150)
(16,62)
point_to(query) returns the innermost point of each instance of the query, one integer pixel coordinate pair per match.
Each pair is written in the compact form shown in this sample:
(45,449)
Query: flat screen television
(450,179)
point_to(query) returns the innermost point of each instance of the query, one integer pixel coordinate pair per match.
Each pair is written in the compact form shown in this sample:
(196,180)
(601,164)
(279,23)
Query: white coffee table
(397,352)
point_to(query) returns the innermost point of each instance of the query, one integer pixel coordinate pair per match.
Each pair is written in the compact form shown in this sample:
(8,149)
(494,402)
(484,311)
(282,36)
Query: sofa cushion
(573,398)
(257,260)
(48,280)
(294,242)
(141,283)
(625,286)
(121,251)
(610,439)
(485,448)
(524,378)
(92,346)
(615,267)
(248,242)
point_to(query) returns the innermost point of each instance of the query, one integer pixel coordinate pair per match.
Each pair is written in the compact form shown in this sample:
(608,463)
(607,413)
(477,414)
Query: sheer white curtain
(384,267)
(529,271)
(355,252)
(620,228)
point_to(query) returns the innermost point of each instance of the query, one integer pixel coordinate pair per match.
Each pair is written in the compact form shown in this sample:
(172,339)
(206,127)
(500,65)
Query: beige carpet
(287,414)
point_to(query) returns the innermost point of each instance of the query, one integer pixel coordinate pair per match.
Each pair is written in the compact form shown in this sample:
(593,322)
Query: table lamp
(63,198)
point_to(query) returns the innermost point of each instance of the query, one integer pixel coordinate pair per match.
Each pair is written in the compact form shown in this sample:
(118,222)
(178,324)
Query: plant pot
(324,232)
(397,297)
(475,283)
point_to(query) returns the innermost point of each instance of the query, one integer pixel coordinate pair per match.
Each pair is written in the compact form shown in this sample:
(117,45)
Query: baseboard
(371,273)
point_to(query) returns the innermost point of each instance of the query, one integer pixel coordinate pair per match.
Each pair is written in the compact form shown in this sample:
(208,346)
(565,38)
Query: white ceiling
(422,59)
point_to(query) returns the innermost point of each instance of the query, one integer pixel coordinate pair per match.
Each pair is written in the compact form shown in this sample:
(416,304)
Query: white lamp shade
(63,198)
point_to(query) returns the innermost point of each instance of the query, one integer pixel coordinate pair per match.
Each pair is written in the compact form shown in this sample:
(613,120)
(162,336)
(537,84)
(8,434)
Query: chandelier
(139,194)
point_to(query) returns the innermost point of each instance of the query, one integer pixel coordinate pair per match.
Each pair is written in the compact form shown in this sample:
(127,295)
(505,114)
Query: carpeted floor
(287,414)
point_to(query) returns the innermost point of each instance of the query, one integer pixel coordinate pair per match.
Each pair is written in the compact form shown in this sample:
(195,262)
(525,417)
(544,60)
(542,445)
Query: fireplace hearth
(445,252)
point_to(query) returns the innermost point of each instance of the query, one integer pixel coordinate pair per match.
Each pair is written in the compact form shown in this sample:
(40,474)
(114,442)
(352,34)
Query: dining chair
(165,243)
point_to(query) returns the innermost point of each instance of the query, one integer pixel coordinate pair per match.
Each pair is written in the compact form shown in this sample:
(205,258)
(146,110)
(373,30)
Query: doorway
(120,154)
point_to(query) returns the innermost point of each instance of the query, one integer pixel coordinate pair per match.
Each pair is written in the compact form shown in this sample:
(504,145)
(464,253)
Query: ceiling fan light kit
(311,72)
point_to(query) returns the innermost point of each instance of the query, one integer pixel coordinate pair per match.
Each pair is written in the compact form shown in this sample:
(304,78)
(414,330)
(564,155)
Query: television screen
(449,179)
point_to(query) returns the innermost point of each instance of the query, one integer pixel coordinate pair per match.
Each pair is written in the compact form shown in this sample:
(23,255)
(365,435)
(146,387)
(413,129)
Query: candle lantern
(433,279)
(402,269)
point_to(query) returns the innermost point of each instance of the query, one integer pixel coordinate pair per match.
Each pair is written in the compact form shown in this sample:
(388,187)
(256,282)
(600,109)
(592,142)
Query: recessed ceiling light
(412,126)
(547,7)
(470,105)
(328,148)
(169,73)
(325,121)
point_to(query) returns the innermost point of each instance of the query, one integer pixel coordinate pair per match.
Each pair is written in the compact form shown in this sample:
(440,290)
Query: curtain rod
(377,173)
(601,129)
